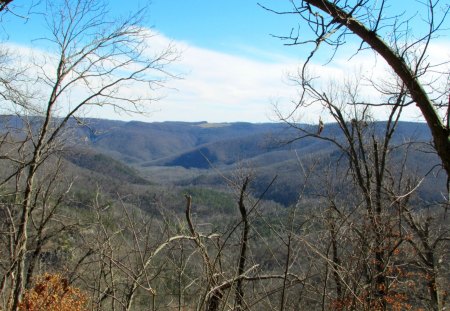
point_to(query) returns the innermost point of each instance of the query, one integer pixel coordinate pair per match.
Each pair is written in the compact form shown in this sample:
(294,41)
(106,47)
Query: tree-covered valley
(141,215)
(346,212)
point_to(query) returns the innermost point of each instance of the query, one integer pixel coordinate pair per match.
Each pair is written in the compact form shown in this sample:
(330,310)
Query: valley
(128,206)
(208,155)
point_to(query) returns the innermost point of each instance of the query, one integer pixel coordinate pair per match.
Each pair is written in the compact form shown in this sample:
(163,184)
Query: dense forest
(96,214)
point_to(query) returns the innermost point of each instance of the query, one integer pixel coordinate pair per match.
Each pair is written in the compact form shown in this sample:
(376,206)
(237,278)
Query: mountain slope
(210,155)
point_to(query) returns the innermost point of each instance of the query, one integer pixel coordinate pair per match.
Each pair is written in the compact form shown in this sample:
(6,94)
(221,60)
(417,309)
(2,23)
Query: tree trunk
(439,131)
(4,4)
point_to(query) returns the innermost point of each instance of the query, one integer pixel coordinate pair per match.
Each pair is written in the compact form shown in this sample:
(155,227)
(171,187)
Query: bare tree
(364,204)
(403,46)
(403,40)
(94,61)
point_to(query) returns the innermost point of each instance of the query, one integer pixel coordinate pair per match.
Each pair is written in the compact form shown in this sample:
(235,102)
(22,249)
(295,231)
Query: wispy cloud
(220,87)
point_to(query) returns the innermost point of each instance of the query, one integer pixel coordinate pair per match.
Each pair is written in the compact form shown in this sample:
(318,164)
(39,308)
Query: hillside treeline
(350,214)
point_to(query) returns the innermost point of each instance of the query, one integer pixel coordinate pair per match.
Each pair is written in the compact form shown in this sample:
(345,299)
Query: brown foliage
(52,292)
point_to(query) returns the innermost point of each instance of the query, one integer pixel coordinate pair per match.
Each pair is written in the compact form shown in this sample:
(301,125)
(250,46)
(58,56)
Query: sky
(232,65)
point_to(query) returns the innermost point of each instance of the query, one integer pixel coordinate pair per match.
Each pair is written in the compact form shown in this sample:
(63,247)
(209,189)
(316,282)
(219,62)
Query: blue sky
(232,68)
(234,26)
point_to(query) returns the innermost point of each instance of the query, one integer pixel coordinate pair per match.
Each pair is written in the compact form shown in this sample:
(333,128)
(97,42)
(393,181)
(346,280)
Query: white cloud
(215,86)
(220,87)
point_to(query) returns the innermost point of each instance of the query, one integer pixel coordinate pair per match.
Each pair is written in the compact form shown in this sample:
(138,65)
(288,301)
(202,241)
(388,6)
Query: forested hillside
(114,211)
(204,154)
(347,212)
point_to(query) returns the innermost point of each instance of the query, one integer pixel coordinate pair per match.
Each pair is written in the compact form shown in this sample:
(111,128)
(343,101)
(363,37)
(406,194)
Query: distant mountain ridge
(182,143)
(139,142)
(202,144)
(209,154)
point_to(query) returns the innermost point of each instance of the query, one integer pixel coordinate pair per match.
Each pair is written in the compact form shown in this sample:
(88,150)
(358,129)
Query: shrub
(52,292)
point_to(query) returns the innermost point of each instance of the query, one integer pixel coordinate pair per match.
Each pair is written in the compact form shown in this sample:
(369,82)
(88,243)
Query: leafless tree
(364,206)
(94,60)
(402,39)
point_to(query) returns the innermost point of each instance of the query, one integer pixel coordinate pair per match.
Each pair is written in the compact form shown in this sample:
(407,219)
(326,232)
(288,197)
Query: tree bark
(239,299)
(4,4)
